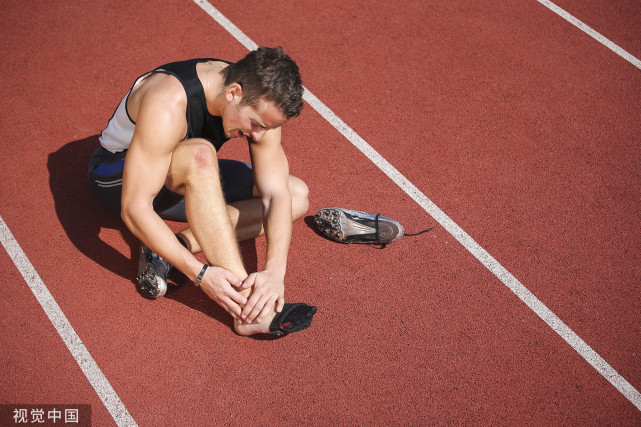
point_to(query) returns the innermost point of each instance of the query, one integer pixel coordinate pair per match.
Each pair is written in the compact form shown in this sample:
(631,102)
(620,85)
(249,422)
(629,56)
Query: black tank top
(200,124)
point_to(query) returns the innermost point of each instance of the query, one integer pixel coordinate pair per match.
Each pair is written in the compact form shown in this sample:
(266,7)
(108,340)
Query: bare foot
(293,318)
(246,329)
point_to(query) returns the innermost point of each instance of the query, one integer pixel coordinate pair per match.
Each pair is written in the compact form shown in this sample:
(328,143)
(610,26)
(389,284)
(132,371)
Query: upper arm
(271,170)
(159,110)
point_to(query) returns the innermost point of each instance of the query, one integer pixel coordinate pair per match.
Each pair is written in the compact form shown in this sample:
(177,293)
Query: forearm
(278,231)
(267,286)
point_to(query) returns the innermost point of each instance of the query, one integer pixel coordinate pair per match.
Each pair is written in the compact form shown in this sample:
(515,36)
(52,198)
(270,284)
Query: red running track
(519,126)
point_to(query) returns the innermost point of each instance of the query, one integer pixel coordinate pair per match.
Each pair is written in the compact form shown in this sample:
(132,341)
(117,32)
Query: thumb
(248,282)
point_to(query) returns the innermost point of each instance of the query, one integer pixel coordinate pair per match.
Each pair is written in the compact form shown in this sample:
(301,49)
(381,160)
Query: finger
(236,297)
(230,306)
(232,278)
(258,308)
(251,303)
(280,303)
(248,282)
(266,309)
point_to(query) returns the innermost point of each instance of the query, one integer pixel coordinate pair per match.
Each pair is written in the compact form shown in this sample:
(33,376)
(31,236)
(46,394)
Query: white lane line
(569,336)
(71,339)
(227,24)
(592,33)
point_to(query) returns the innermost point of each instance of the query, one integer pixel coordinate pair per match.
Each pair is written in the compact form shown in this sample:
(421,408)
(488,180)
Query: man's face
(251,121)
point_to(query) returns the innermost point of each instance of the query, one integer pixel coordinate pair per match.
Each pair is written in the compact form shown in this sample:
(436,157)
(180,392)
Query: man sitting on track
(158,160)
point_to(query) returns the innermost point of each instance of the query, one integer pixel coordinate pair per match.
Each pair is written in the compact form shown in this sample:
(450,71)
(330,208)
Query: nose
(257,135)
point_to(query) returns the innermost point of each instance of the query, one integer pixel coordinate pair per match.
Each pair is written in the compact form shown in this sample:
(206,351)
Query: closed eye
(258,125)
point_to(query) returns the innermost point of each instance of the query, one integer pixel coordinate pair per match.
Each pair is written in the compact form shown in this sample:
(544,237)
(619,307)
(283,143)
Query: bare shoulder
(158,91)
(158,106)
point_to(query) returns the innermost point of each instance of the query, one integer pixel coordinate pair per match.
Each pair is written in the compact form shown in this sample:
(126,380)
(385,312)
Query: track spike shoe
(348,226)
(152,273)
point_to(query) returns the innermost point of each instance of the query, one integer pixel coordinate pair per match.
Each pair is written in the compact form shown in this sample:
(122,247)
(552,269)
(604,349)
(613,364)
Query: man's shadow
(80,214)
(83,218)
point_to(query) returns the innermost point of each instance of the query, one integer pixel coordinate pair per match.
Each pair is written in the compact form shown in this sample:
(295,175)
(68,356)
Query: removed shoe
(292,318)
(348,226)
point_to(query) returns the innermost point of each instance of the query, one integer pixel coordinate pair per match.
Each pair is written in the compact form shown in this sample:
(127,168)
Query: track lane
(37,368)
(618,19)
(450,368)
(615,125)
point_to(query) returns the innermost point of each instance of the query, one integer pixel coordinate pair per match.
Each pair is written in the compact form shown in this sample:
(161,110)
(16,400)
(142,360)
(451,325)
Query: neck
(213,87)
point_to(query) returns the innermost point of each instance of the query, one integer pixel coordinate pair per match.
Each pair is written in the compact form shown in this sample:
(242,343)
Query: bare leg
(214,226)
(194,173)
(246,216)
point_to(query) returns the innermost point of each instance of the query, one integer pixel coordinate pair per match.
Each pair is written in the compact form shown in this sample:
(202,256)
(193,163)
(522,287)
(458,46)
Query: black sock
(293,318)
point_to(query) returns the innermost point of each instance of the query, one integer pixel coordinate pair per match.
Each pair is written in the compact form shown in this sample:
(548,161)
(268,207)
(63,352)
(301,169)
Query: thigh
(236,178)
(105,178)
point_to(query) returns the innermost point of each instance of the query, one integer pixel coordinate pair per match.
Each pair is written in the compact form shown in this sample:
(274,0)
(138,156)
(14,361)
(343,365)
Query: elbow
(127,214)
(300,197)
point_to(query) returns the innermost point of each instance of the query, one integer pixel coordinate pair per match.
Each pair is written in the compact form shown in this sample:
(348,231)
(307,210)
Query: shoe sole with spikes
(349,226)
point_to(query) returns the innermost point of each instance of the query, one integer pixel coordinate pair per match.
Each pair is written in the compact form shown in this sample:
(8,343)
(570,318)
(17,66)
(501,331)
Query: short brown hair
(271,74)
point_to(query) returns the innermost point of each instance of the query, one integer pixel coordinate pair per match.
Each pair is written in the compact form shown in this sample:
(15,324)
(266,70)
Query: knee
(190,163)
(300,197)
(203,157)
(199,159)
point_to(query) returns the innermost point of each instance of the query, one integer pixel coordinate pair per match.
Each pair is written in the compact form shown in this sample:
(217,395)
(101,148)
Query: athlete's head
(269,74)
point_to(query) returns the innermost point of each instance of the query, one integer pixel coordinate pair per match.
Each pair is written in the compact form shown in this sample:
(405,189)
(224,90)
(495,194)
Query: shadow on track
(80,214)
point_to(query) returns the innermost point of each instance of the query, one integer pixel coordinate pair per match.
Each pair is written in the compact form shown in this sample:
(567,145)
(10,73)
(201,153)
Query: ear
(234,93)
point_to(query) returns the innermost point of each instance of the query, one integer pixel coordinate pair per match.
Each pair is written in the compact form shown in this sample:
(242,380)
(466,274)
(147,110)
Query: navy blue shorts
(105,179)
